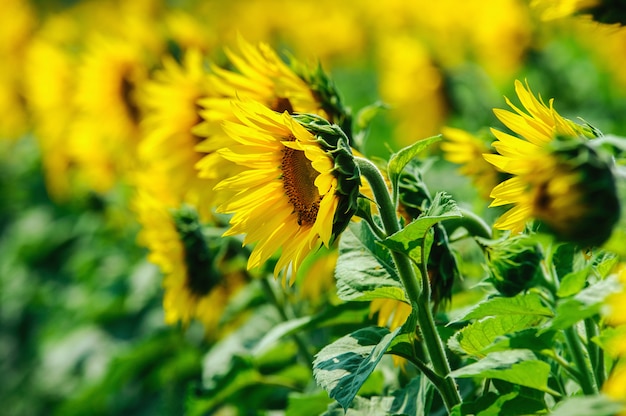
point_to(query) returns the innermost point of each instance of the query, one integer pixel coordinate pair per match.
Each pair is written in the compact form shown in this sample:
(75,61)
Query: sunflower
(466,149)
(171,112)
(298,188)
(392,313)
(195,287)
(106,130)
(17,24)
(260,75)
(49,85)
(557,177)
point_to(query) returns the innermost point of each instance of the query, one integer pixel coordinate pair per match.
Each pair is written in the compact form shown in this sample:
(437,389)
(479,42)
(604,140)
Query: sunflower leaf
(365,270)
(410,239)
(307,404)
(522,304)
(599,405)
(400,159)
(349,312)
(415,399)
(584,304)
(342,367)
(519,367)
(477,337)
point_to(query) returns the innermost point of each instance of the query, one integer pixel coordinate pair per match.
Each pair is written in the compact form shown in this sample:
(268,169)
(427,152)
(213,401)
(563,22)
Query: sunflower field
(302,208)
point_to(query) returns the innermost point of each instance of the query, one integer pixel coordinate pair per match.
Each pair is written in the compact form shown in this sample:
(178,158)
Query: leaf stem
(475,225)
(434,345)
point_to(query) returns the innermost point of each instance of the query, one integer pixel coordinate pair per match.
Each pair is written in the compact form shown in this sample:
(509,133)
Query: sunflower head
(298,186)
(335,143)
(465,149)
(577,198)
(514,264)
(557,178)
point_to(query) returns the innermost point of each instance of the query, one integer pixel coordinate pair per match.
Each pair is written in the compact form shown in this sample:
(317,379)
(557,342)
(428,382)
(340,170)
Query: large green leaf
(500,319)
(374,406)
(477,337)
(240,374)
(410,239)
(414,399)
(530,339)
(365,269)
(344,313)
(307,404)
(519,367)
(599,405)
(513,401)
(342,367)
(399,160)
(522,304)
(573,282)
(583,305)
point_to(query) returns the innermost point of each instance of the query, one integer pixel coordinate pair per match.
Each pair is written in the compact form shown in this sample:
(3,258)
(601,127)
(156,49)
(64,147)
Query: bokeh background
(81,317)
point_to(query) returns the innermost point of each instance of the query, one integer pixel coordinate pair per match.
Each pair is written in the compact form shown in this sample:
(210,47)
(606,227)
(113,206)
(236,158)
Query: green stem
(380,233)
(578,355)
(564,364)
(595,353)
(475,225)
(434,346)
(271,295)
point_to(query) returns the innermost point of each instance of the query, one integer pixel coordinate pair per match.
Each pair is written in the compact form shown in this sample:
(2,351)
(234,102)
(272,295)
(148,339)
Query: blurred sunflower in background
(558,178)
(108,109)
(168,143)
(49,88)
(195,287)
(466,149)
(17,25)
(603,11)
(258,74)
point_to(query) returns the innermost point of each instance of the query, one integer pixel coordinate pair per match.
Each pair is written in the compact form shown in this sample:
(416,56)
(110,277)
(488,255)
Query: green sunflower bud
(335,143)
(514,264)
(579,203)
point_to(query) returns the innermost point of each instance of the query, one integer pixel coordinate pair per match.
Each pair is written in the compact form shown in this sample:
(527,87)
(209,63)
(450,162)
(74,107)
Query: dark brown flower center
(127,88)
(281,104)
(299,184)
